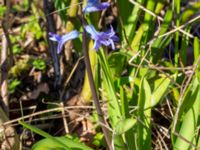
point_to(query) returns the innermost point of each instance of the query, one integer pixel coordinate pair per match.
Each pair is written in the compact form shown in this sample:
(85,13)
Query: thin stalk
(6,60)
(93,89)
(176,57)
(51,27)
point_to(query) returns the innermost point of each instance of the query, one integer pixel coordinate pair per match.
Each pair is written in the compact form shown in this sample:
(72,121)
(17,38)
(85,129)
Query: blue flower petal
(102,38)
(62,39)
(96,45)
(106,43)
(110,32)
(92,2)
(54,37)
(91,30)
(95,5)
(115,38)
(60,45)
(71,35)
(103,5)
(112,44)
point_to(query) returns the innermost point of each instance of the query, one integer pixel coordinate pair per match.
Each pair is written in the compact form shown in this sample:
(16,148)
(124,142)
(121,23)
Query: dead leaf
(41,88)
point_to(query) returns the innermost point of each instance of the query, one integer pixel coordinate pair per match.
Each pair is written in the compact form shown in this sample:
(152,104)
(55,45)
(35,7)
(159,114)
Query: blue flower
(102,38)
(62,39)
(95,5)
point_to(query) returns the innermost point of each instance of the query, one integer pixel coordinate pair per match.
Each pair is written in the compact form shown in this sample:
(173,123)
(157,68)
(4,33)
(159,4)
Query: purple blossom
(95,5)
(63,38)
(102,38)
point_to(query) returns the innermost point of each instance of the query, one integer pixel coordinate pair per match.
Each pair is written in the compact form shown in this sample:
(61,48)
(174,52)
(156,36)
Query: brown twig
(11,140)
(6,44)
(4,74)
(45,111)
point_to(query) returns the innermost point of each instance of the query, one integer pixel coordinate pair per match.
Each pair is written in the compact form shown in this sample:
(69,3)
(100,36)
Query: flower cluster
(106,38)
(102,38)
(95,5)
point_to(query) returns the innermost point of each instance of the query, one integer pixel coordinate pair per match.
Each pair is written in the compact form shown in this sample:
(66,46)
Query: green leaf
(48,144)
(44,134)
(116,62)
(190,118)
(146,29)
(39,64)
(113,108)
(60,6)
(185,39)
(130,17)
(13,85)
(113,103)
(2,10)
(125,125)
(59,142)
(164,27)
(189,12)
(99,140)
(160,88)
(16,49)
(21,6)
(196,56)
(158,44)
(196,49)
(144,115)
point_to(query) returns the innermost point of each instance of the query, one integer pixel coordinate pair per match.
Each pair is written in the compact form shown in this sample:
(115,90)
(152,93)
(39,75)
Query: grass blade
(144,131)
(190,121)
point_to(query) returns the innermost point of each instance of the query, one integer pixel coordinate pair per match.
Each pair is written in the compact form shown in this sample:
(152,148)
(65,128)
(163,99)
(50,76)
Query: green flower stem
(93,89)
(177,8)
(86,96)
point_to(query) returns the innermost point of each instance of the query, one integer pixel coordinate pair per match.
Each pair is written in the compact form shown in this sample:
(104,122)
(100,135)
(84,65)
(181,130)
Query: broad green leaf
(184,46)
(144,115)
(129,18)
(117,63)
(114,111)
(124,103)
(189,12)
(196,49)
(157,44)
(189,122)
(48,144)
(59,142)
(163,28)
(44,134)
(189,97)
(160,88)
(196,56)
(113,104)
(146,28)
(125,125)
